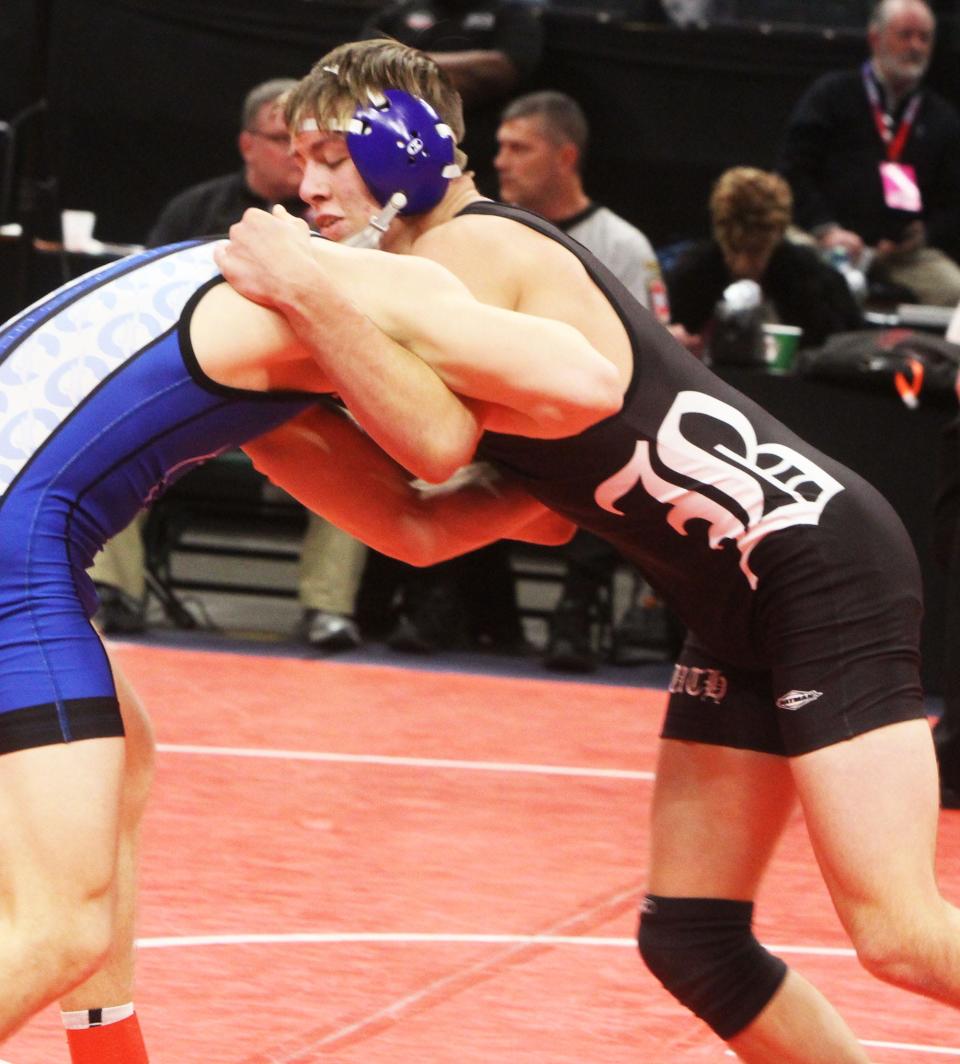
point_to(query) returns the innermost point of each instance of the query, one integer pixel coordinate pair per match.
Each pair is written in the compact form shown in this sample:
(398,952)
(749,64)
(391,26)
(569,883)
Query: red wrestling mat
(366,865)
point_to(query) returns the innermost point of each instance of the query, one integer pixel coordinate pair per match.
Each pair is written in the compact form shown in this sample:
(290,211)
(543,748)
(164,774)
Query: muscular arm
(326,462)
(401,402)
(479,74)
(534,376)
(538,376)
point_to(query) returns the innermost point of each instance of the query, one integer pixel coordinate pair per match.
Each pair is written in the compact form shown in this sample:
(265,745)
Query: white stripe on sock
(80,1020)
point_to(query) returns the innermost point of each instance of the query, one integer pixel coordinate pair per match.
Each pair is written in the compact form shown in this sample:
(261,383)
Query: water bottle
(839,259)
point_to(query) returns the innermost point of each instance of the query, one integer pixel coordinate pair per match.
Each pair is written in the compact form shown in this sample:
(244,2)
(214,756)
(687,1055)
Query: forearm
(543,376)
(400,401)
(478,74)
(540,376)
(326,462)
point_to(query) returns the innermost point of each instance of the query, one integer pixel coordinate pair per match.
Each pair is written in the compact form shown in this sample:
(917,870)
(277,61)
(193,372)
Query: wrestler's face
(902,46)
(342,204)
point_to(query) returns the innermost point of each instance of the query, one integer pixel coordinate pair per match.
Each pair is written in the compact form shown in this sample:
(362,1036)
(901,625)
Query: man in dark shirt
(873,157)
(331,562)
(751,211)
(796,576)
(269,175)
(488,49)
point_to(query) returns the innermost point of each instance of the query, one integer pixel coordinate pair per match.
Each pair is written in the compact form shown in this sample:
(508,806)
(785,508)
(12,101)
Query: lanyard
(893,142)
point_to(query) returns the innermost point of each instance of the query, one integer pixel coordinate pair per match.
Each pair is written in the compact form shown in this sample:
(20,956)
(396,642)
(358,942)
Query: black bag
(736,339)
(901,360)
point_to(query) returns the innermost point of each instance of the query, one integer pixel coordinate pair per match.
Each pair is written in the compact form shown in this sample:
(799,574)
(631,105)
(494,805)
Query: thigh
(140,747)
(60,811)
(717,815)
(871,806)
(932,275)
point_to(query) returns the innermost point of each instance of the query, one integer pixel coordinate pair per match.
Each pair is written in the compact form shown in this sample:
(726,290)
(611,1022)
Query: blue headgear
(400,145)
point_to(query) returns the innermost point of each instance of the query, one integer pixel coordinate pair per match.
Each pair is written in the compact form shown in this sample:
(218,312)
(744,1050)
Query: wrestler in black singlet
(795,578)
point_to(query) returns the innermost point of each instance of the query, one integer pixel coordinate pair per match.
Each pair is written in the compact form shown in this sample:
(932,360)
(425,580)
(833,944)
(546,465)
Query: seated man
(331,562)
(750,211)
(542,148)
(873,157)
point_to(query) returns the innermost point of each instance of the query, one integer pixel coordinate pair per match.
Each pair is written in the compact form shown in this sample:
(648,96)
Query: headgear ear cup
(399,144)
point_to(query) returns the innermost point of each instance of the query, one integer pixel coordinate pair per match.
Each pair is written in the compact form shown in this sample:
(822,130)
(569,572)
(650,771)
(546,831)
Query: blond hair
(357,73)
(748,206)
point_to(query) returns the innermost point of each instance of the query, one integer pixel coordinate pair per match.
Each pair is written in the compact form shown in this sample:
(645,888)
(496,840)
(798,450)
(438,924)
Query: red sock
(116,1043)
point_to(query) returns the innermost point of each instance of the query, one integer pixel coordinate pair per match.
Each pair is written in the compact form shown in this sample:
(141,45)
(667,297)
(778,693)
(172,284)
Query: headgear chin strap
(399,144)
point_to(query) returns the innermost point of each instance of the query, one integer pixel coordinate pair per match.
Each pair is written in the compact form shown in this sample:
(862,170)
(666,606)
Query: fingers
(220,253)
(281,212)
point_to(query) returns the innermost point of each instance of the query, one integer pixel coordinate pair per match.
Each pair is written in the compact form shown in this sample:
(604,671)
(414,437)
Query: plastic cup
(77,229)
(780,344)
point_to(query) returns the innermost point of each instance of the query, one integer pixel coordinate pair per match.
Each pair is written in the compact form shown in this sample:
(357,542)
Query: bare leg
(60,815)
(872,806)
(113,983)
(717,816)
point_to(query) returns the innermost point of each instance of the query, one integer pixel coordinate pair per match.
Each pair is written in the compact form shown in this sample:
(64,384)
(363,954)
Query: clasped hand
(267,255)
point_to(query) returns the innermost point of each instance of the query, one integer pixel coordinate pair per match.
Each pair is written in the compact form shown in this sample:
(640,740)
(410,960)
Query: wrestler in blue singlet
(102,404)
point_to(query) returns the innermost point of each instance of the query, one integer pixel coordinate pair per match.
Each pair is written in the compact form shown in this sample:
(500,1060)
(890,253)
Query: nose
(315,184)
(744,265)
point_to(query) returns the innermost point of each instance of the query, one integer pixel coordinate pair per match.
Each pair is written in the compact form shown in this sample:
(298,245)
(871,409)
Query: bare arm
(538,376)
(479,74)
(401,402)
(326,462)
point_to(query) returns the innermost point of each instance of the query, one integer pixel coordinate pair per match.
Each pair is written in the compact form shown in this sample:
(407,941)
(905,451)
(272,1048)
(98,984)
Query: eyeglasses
(274,138)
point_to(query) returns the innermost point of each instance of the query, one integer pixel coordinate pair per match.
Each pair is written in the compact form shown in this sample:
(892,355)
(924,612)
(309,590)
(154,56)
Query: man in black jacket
(269,175)
(751,211)
(873,157)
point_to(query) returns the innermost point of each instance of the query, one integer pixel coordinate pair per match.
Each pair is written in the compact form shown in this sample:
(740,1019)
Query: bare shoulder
(493,256)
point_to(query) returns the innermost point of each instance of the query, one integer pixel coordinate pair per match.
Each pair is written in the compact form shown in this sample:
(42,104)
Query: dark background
(143,95)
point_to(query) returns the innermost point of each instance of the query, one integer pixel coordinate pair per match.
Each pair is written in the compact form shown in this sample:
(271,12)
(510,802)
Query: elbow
(436,460)
(600,397)
(414,543)
(608,395)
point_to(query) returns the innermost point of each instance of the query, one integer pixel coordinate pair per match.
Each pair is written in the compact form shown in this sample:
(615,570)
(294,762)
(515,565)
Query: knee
(704,952)
(894,948)
(73,936)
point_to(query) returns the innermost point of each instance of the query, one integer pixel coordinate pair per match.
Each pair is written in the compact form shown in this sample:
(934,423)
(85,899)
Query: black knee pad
(704,952)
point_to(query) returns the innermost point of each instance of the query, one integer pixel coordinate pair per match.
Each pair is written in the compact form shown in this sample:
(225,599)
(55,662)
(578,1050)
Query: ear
(245,143)
(570,155)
